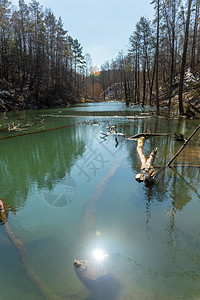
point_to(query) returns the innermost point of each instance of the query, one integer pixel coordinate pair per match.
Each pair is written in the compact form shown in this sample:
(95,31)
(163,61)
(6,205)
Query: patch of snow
(190,77)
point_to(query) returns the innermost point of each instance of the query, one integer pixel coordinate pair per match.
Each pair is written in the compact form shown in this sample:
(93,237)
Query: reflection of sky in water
(151,236)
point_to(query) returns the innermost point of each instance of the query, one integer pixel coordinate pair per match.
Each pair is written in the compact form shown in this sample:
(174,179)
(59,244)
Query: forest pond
(72,191)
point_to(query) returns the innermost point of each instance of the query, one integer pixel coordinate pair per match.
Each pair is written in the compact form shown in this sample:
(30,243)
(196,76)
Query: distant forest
(42,65)
(160,52)
(37,56)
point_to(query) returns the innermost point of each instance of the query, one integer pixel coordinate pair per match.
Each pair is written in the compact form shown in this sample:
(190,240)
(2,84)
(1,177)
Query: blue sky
(102,27)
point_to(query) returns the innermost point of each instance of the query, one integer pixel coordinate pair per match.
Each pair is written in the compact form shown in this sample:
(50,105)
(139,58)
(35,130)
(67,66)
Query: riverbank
(14,100)
(26,100)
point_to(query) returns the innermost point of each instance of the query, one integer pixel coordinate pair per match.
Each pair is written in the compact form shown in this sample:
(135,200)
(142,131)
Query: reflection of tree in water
(43,159)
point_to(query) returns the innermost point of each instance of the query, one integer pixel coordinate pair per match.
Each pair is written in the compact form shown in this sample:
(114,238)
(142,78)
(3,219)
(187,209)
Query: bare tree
(183,62)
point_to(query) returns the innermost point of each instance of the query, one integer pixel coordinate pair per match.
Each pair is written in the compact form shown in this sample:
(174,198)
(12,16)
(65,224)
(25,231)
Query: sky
(102,27)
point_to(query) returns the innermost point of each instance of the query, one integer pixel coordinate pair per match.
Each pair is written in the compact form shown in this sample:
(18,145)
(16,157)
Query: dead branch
(179,151)
(29,125)
(112,131)
(182,166)
(38,131)
(145,134)
(13,127)
(147,171)
(17,128)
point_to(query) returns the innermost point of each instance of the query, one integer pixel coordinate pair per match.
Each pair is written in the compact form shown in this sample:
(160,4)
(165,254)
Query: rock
(98,278)
(5,94)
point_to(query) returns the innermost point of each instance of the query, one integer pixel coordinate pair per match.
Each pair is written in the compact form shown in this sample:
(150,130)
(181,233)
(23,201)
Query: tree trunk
(125,89)
(144,85)
(152,81)
(157,55)
(135,94)
(192,64)
(181,110)
(172,53)
(138,77)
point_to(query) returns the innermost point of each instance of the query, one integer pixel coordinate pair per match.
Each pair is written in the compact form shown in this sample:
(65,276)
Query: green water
(71,192)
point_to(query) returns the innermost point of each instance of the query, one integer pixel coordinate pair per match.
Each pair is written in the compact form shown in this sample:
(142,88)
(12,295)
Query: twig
(179,151)
(183,146)
(33,124)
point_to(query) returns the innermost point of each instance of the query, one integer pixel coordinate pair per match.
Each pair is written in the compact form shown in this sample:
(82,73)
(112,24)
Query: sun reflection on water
(99,254)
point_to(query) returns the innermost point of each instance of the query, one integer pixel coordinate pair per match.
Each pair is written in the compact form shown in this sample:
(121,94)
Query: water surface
(71,192)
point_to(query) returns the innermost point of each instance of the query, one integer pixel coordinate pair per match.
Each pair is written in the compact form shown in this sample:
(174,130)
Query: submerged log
(29,272)
(96,276)
(147,171)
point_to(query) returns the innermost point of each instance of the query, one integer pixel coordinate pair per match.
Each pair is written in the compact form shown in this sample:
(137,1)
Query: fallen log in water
(88,220)
(179,151)
(146,134)
(28,271)
(96,276)
(38,131)
(147,171)
(17,128)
